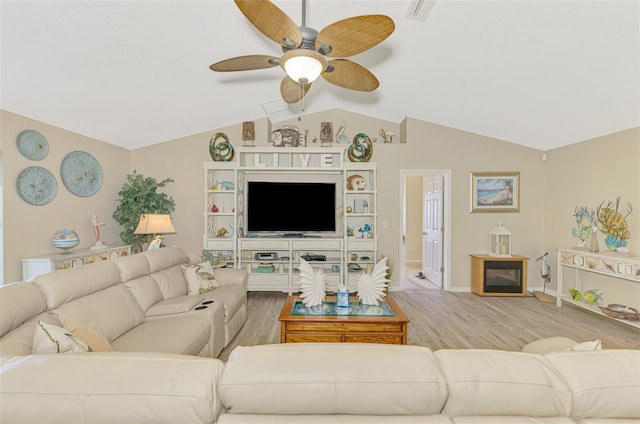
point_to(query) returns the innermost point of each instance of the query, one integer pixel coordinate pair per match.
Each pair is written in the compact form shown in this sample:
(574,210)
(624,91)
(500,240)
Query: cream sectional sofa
(139,303)
(325,383)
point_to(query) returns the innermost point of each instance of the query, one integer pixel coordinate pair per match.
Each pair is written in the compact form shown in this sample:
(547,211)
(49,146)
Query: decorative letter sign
(326,160)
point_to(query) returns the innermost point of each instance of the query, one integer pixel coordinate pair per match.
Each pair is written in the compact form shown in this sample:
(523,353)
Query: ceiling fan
(305,49)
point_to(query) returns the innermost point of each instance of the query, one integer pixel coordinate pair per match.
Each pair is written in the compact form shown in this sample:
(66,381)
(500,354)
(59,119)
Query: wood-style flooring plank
(447,320)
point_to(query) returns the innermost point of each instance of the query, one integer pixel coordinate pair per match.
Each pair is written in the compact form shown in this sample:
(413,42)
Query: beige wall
(28,229)
(586,174)
(413,218)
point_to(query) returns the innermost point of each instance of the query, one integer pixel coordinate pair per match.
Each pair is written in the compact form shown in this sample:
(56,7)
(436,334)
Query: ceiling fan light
(303,66)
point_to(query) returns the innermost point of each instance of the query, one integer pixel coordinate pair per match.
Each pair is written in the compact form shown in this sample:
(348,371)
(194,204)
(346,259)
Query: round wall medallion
(32,145)
(37,186)
(81,173)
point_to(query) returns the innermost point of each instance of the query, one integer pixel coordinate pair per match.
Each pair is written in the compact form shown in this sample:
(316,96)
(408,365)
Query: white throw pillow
(200,278)
(53,339)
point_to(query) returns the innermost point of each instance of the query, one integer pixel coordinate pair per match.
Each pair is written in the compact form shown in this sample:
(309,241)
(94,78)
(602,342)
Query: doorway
(425,250)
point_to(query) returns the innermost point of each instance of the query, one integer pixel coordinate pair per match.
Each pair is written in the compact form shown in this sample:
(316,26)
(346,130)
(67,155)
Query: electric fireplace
(493,276)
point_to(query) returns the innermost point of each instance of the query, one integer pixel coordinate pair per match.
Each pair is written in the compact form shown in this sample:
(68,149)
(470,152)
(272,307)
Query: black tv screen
(291,207)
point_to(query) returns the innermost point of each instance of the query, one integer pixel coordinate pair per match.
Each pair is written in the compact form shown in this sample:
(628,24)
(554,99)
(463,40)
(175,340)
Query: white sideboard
(356,206)
(624,267)
(37,265)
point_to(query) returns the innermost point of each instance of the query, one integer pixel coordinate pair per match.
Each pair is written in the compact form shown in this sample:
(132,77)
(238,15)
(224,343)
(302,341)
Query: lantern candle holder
(500,242)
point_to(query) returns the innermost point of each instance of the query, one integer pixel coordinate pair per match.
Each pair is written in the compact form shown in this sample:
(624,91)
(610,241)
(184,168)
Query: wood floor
(442,320)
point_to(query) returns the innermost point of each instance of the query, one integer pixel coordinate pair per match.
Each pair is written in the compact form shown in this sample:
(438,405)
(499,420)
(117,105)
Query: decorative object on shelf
(139,195)
(356,182)
(495,192)
(95,224)
(81,173)
(575,294)
(593,242)
(593,296)
(545,273)
(618,311)
(365,231)
(360,149)
(248,133)
(223,185)
(222,232)
(37,186)
(585,219)
(614,224)
(342,296)
(341,137)
(326,133)
(350,229)
(500,241)
(387,136)
(220,151)
(65,239)
(312,284)
(372,287)
(214,208)
(32,144)
(289,136)
(155,226)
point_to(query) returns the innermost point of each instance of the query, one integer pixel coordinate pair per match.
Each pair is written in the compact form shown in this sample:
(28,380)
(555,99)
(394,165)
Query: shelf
(597,310)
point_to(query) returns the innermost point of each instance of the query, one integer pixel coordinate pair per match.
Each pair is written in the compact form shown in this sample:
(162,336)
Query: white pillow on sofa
(53,339)
(200,278)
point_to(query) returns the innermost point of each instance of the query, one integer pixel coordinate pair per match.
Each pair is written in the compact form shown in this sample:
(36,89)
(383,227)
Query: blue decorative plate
(32,145)
(81,173)
(37,186)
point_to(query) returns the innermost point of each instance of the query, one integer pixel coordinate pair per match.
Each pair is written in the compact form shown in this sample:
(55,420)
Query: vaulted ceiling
(134,73)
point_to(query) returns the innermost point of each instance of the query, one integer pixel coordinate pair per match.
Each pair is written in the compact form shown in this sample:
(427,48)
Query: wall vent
(419,9)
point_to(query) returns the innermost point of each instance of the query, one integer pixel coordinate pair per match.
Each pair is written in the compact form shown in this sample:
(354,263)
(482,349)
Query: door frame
(446,222)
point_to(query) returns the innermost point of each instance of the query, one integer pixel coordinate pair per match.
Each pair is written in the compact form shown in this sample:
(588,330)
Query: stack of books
(265,267)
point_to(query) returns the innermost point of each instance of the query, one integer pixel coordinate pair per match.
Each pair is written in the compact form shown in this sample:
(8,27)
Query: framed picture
(495,192)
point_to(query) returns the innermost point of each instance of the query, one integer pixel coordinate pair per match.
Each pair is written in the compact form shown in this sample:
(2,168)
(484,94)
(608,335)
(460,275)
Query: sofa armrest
(174,305)
(110,387)
(227,276)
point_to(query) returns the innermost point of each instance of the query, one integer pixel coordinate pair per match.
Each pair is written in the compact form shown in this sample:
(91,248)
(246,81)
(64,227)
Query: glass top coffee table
(385,323)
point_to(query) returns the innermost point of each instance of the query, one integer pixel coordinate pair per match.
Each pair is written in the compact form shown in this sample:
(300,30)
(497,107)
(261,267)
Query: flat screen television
(298,208)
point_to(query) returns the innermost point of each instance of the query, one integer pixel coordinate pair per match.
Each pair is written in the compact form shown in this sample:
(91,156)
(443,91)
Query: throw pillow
(200,278)
(53,339)
(92,336)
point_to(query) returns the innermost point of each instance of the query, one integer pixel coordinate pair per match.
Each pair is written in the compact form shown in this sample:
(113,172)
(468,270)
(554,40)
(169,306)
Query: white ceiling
(134,73)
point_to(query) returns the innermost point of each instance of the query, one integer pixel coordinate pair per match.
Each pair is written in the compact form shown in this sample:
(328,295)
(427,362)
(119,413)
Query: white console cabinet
(273,262)
(624,269)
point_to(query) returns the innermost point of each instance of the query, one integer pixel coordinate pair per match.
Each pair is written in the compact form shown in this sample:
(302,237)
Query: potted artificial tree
(139,195)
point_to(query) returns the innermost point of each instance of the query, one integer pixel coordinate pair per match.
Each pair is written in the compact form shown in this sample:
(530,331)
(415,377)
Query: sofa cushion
(332,378)
(232,296)
(19,302)
(171,281)
(110,387)
(19,341)
(200,278)
(92,336)
(604,383)
(113,310)
(493,382)
(184,335)
(549,344)
(145,290)
(167,257)
(53,339)
(132,267)
(66,285)
(174,305)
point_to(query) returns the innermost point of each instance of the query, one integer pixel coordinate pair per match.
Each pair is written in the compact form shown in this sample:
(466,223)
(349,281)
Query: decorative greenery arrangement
(138,196)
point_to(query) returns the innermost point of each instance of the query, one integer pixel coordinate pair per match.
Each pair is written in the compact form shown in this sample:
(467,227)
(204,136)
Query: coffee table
(359,323)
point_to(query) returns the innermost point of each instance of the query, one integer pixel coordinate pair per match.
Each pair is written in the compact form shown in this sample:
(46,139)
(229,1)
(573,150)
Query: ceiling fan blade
(293,92)
(348,74)
(354,35)
(245,63)
(270,20)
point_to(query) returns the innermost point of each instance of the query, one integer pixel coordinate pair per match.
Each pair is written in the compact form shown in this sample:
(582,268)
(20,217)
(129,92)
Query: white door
(432,229)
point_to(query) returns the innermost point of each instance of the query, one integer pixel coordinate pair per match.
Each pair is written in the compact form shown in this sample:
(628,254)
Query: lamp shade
(151,223)
(302,65)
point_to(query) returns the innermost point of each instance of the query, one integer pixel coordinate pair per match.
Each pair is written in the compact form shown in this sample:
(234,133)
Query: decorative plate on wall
(32,145)
(81,173)
(37,186)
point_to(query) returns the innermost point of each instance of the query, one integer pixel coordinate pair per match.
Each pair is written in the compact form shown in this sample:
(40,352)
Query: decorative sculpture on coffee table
(372,287)
(313,285)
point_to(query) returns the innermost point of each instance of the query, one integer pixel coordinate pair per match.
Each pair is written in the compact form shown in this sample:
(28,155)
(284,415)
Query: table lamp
(155,225)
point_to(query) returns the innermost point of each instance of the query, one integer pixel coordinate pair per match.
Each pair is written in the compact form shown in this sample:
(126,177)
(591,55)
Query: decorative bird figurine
(313,285)
(371,287)
(575,294)
(592,296)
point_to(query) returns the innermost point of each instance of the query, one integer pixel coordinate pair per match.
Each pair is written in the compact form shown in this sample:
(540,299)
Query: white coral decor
(371,287)
(312,284)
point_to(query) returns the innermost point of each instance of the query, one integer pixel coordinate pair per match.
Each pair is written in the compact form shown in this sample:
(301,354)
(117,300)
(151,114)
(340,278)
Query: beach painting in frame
(495,192)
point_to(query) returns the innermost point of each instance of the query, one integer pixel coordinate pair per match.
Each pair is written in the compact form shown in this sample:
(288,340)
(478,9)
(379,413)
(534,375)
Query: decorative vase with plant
(139,195)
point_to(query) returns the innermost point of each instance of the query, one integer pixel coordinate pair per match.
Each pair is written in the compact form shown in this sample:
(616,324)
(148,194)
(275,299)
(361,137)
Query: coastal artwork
(495,192)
